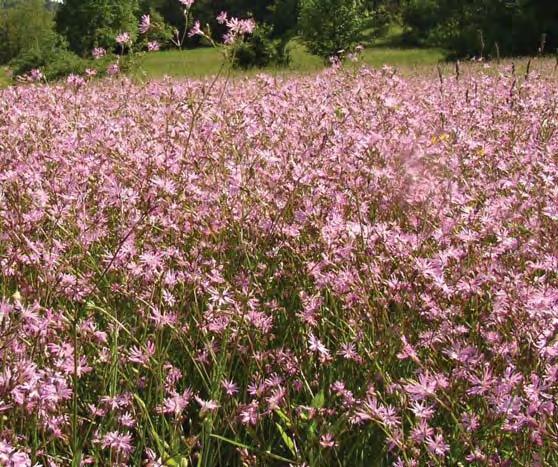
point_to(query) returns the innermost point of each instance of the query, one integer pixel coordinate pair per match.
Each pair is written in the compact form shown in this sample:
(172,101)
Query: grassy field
(4,79)
(196,63)
(207,61)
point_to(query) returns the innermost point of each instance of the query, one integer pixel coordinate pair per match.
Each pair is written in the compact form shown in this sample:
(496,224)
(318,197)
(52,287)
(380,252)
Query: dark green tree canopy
(463,27)
(281,15)
(25,25)
(474,27)
(95,23)
(328,26)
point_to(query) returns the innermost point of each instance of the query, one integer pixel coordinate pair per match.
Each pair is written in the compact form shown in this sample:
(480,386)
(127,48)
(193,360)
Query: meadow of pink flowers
(353,268)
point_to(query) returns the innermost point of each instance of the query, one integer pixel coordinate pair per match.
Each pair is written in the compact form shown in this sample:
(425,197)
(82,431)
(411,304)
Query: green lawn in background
(4,78)
(208,61)
(192,63)
(205,61)
(405,57)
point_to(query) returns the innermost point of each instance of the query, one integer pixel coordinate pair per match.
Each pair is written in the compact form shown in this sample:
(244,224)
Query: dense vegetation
(350,268)
(478,27)
(59,37)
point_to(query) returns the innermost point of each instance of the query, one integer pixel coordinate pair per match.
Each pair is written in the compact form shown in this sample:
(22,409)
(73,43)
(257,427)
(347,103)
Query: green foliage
(380,19)
(474,27)
(95,23)
(29,41)
(171,11)
(54,65)
(284,17)
(328,26)
(259,50)
(159,31)
(25,25)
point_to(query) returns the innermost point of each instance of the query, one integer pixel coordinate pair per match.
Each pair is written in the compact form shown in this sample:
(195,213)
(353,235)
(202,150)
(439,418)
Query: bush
(159,31)
(420,17)
(54,64)
(25,25)
(259,50)
(329,26)
(516,26)
(380,20)
(92,23)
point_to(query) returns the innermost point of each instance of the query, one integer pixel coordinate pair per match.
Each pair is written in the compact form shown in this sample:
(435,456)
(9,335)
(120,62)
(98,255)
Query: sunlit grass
(4,78)
(208,61)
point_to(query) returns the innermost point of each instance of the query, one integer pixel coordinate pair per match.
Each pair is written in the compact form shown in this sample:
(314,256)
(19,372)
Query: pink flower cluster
(124,39)
(236,27)
(145,24)
(347,266)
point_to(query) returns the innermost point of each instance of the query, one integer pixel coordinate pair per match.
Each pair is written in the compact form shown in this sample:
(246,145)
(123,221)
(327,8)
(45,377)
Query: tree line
(43,31)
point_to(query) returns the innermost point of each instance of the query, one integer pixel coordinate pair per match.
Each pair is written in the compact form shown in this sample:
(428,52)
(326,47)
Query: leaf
(257,451)
(284,418)
(177,461)
(160,444)
(313,429)
(287,440)
(319,400)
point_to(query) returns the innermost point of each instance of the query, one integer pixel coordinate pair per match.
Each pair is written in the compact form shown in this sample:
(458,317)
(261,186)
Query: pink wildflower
(117,442)
(153,46)
(98,52)
(145,24)
(124,38)
(196,30)
(327,441)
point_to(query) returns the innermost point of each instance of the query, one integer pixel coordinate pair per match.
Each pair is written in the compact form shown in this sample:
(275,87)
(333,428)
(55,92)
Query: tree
(281,15)
(475,26)
(24,24)
(95,23)
(329,26)
(284,17)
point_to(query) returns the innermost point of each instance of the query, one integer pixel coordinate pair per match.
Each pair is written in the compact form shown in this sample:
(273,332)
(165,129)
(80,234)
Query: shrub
(53,64)
(516,26)
(329,26)
(259,50)
(25,25)
(93,23)
(380,20)
(159,31)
